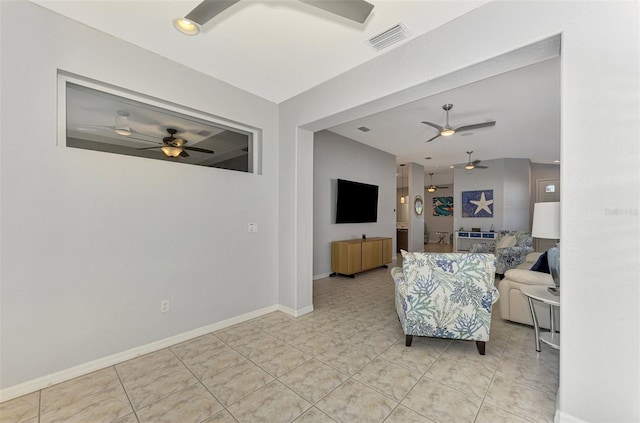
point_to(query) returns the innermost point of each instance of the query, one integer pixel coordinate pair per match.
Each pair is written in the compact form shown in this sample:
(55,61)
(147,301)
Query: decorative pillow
(542,265)
(506,242)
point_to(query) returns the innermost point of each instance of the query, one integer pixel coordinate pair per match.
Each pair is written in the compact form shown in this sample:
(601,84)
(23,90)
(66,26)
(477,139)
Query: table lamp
(546,224)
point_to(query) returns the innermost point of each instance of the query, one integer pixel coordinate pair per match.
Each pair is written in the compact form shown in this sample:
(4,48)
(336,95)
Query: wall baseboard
(295,313)
(321,276)
(101,363)
(561,417)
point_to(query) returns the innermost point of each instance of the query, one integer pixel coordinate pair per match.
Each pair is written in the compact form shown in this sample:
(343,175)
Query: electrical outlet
(164,306)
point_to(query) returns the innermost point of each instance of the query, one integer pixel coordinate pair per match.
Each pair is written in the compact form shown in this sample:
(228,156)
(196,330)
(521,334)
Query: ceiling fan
(121,126)
(446,130)
(474,164)
(174,147)
(434,188)
(356,10)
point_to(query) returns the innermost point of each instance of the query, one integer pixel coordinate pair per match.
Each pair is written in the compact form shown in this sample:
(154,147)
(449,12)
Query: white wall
(541,171)
(336,157)
(516,191)
(600,67)
(57,203)
(402,209)
(416,223)
(509,180)
(92,242)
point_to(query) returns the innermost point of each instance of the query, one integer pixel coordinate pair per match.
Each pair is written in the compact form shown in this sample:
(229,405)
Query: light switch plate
(253,227)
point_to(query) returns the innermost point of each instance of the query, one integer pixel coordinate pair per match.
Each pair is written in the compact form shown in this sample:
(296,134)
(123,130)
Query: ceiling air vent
(364,129)
(389,36)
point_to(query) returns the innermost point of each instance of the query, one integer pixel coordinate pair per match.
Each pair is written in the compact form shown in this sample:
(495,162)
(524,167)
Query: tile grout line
(224,407)
(39,405)
(126,393)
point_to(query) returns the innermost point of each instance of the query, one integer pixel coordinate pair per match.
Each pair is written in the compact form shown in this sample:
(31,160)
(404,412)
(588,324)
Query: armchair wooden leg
(480,345)
(408,340)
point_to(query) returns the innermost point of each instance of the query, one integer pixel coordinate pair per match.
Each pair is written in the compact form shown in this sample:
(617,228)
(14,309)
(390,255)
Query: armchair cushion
(506,241)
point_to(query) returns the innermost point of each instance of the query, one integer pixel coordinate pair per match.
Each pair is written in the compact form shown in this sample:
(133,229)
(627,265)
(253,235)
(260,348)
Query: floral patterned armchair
(509,256)
(448,295)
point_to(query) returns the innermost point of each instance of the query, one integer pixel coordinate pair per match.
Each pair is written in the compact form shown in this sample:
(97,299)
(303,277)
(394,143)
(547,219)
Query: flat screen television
(357,202)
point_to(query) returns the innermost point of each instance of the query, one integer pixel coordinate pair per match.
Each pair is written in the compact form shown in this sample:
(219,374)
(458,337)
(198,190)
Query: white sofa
(513,305)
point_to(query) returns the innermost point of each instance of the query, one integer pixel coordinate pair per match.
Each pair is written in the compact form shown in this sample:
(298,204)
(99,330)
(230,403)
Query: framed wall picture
(477,203)
(443,206)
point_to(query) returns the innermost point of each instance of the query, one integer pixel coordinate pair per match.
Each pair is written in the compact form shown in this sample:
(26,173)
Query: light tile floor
(344,362)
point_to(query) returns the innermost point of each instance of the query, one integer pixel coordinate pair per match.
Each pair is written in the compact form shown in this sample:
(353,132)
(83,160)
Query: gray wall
(92,241)
(416,223)
(437,223)
(509,180)
(600,67)
(337,157)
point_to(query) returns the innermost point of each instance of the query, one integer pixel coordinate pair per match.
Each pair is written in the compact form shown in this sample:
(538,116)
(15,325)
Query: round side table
(542,294)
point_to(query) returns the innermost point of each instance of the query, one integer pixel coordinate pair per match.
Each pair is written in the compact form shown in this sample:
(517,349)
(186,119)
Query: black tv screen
(357,202)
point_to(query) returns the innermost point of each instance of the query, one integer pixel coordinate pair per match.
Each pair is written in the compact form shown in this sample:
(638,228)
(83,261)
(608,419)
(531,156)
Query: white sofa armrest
(530,260)
(513,304)
(529,277)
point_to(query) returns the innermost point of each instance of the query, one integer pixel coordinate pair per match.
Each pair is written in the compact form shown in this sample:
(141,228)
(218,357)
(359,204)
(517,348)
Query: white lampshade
(546,220)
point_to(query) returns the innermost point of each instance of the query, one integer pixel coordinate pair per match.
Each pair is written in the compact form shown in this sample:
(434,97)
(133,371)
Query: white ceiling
(525,103)
(278,49)
(272,48)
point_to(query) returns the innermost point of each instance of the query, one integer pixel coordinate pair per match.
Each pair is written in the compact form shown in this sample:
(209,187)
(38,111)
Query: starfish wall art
(477,203)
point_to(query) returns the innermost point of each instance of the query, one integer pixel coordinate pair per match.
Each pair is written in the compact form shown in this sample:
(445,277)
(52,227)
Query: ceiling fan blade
(199,150)
(438,127)
(429,140)
(356,10)
(475,126)
(184,154)
(149,148)
(208,9)
(480,167)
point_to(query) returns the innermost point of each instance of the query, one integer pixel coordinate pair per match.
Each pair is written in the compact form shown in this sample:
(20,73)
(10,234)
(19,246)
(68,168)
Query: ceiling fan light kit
(432,187)
(174,147)
(447,130)
(171,151)
(473,164)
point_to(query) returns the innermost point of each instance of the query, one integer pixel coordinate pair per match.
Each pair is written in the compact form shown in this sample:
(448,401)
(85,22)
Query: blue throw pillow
(542,265)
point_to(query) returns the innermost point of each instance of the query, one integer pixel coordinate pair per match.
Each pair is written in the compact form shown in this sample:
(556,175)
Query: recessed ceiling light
(186,26)
(122,124)
(364,129)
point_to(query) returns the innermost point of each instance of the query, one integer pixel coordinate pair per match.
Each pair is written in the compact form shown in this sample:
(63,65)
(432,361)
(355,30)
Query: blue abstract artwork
(443,206)
(477,203)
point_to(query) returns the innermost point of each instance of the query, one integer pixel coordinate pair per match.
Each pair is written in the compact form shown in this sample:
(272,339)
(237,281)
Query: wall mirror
(114,122)
(418,205)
